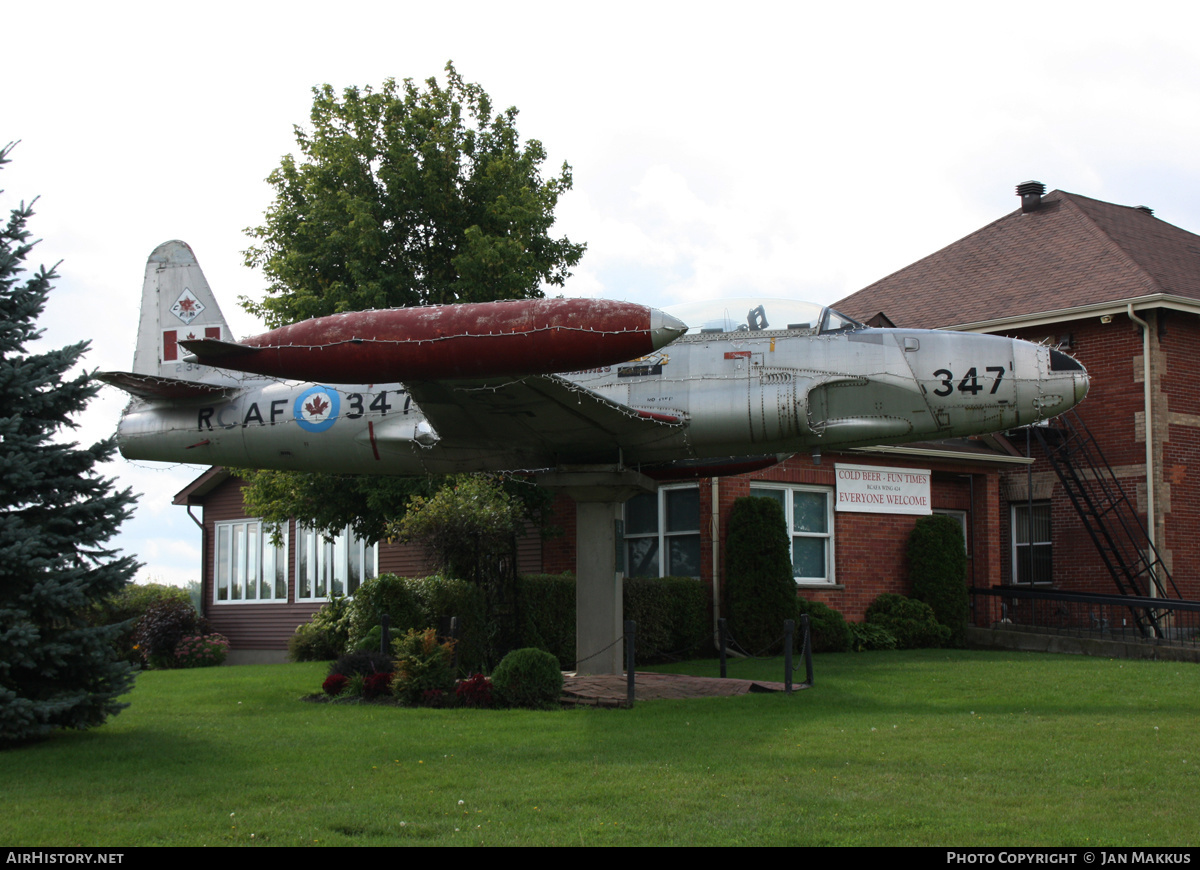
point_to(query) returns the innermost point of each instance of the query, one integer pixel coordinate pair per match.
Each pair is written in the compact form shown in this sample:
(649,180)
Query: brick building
(256,593)
(1110,284)
(1117,288)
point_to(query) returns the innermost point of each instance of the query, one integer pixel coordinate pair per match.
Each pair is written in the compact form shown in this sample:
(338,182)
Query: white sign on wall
(875,490)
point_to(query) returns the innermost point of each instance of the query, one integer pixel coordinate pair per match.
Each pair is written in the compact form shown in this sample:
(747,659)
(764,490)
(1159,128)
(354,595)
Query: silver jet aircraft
(479,387)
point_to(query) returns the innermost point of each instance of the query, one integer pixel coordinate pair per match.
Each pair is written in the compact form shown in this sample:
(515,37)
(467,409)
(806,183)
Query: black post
(385,645)
(789,629)
(723,634)
(808,672)
(454,637)
(630,635)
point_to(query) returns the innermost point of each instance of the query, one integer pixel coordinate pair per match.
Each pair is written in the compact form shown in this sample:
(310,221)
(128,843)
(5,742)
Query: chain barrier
(579,662)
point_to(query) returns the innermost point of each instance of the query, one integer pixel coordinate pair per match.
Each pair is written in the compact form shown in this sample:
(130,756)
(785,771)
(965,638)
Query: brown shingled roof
(1071,252)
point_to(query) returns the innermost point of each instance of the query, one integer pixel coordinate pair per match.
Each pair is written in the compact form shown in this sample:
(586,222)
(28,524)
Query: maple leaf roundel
(316,409)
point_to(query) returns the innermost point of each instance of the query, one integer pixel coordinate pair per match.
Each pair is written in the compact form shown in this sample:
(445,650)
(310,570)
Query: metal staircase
(1109,516)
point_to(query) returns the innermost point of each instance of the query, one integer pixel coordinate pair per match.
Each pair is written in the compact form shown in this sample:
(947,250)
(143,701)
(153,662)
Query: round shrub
(165,622)
(828,628)
(937,566)
(201,651)
(911,622)
(528,678)
(870,637)
(372,641)
(311,643)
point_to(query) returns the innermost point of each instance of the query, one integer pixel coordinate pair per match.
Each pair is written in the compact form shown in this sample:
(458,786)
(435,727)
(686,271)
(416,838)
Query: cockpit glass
(835,321)
(718,316)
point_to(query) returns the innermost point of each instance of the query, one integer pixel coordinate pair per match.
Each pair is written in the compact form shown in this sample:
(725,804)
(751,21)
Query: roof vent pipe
(1031,195)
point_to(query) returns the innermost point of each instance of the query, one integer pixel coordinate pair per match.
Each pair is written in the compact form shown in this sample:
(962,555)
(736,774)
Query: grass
(906,748)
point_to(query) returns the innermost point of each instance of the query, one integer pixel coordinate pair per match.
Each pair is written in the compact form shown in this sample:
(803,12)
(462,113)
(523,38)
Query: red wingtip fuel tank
(473,340)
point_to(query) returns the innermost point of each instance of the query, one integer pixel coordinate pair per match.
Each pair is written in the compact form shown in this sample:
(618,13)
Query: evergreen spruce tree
(56,669)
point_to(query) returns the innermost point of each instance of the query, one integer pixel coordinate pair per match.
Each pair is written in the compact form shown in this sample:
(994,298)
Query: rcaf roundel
(316,409)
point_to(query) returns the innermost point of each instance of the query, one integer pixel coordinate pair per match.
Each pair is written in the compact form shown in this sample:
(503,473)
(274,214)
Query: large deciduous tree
(404,196)
(57,670)
(400,196)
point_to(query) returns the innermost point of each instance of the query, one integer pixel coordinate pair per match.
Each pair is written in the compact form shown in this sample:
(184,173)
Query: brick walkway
(609,690)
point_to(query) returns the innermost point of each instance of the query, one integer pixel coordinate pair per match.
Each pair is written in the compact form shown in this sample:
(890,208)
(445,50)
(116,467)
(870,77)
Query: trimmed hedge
(760,591)
(672,617)
(937,566)
(671,612)
(546,615)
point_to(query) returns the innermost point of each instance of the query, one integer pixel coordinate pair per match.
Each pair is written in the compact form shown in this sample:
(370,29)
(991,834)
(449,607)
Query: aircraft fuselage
(714,396)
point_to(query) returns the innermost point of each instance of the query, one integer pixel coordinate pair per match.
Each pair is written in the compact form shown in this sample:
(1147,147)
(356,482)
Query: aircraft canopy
(751,314)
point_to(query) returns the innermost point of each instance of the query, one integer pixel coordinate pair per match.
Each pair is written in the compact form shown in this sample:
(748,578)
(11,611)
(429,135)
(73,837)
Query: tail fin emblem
(187,307)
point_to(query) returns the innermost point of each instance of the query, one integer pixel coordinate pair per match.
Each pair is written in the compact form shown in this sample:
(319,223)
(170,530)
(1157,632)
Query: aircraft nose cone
(664,328)
(1081,386)
(1061,362)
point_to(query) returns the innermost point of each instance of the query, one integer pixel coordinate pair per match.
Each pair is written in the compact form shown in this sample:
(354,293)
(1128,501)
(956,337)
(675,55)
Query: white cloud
(788,149)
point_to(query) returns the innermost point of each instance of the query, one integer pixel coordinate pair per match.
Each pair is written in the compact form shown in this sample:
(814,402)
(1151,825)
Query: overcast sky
(784,149)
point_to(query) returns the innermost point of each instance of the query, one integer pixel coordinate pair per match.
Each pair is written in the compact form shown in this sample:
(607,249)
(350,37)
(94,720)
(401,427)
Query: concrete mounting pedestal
(598,494)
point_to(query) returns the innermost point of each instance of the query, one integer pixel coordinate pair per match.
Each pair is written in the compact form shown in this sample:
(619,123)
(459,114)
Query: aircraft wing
(544,414)
(162,387)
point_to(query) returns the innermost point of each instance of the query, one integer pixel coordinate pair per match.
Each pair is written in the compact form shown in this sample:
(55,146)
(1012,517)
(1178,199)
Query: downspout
(203,557)
(715,528)
(1148,405)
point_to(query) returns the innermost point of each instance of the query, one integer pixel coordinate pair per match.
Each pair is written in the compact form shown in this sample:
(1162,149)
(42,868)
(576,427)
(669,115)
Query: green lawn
(905,748)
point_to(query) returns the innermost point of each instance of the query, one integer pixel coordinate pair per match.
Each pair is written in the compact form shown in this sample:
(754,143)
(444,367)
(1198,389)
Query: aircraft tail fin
(177,305)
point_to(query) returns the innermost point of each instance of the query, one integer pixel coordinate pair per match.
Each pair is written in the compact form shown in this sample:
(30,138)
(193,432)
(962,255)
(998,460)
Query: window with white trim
(808,511)
(325,568)
(663,523)
(1032,550)
(247,565)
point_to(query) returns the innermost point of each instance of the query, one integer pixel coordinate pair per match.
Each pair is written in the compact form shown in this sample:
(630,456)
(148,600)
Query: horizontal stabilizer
(156,387)
(213,349)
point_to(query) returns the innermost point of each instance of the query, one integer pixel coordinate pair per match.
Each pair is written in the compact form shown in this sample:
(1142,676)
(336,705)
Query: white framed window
(662,533)
(1032,551)
(808,511)
(325,568)
(247,565)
